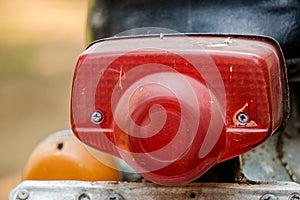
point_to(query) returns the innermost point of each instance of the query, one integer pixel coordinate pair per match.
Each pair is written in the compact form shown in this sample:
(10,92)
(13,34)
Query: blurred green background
(40,41)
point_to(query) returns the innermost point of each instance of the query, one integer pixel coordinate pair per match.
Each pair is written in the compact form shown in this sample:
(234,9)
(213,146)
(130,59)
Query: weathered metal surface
(263,163)
(62,190)
(278,159)
(291,155)
(289,150)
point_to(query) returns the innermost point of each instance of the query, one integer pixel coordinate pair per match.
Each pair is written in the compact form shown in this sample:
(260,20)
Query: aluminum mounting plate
(80,190)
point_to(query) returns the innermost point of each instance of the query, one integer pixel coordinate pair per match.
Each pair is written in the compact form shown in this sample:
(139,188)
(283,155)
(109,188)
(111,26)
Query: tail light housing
(174,106)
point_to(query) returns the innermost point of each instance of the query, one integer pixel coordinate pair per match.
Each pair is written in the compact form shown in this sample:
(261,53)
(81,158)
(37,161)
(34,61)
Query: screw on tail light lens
(173,107)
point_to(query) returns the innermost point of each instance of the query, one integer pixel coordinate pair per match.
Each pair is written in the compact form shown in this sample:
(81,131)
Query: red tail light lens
(173,107)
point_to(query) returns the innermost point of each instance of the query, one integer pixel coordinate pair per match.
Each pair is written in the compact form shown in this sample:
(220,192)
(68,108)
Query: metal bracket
(80,190)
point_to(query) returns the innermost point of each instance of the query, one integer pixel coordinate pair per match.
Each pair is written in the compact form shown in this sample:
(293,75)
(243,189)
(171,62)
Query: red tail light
(174,106)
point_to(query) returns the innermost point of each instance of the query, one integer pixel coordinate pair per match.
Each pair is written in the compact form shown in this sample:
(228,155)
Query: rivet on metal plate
(84,197)
(294,196)
(269,197)
(115,197)
(23,194)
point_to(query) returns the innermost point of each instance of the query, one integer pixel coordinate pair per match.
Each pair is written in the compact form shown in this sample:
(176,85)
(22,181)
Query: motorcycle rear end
(179,99)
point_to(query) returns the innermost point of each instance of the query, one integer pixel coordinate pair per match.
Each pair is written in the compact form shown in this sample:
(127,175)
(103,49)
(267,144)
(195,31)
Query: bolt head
(97,117)
(242,118)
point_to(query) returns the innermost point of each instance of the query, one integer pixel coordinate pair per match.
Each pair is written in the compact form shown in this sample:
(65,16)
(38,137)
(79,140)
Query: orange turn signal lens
(62,157)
